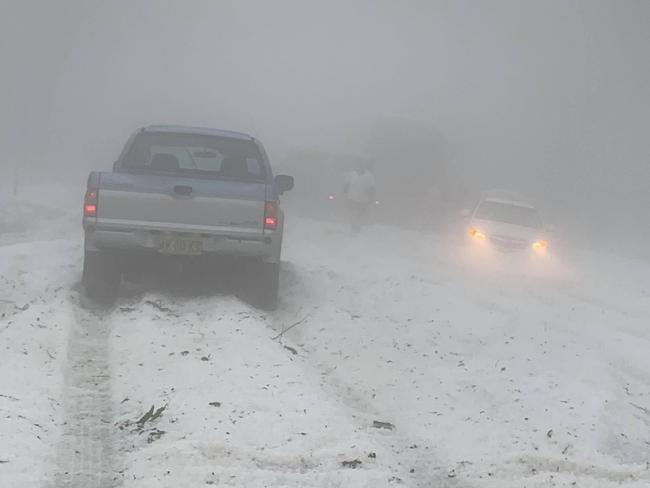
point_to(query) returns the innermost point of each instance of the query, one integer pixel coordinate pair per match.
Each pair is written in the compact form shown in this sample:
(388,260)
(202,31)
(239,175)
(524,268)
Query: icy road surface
(480,378)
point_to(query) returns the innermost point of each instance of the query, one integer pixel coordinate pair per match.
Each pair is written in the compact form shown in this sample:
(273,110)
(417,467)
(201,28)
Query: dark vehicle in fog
(189,193)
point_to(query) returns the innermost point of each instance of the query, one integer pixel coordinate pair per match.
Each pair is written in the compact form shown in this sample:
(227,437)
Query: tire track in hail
(85,454)
(419,469)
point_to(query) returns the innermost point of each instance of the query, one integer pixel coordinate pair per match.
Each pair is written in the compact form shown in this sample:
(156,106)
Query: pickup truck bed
(137,210)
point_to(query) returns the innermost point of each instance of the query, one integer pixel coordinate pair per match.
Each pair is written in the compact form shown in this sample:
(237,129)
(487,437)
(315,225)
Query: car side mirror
(283,183)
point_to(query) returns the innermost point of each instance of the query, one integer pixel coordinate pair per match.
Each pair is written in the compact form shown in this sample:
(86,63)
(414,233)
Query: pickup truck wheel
(101,276)
(267,281)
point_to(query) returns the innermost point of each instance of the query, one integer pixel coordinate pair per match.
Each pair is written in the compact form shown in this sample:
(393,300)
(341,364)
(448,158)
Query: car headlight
(540,245)
(477,234)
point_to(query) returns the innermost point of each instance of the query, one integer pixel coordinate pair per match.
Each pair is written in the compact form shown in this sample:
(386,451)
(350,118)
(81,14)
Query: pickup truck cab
(183,191)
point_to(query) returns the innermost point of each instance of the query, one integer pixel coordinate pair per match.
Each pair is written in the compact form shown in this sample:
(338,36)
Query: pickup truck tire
(101,276)
(267,284)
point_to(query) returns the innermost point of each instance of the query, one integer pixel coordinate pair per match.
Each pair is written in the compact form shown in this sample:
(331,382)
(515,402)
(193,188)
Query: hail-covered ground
(395,359)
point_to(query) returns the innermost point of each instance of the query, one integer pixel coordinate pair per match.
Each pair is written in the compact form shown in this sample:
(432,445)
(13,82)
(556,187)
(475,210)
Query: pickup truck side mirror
(283,183)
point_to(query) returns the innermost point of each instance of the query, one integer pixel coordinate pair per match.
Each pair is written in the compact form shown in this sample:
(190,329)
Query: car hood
(492,229)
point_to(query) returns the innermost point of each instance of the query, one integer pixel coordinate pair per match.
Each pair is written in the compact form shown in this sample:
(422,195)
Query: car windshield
(206,155)
(509,214)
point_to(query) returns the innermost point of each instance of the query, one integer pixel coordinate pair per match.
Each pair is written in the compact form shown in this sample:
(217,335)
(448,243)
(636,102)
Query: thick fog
(548,98)
(441,279)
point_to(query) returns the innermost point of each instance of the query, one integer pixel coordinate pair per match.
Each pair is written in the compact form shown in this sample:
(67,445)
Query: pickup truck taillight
(271,216)
(90,203)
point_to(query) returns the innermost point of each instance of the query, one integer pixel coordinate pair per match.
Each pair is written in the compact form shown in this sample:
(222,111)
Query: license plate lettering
(186,247)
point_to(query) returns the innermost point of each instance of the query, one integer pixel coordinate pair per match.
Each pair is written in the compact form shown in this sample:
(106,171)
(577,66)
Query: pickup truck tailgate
(181,204)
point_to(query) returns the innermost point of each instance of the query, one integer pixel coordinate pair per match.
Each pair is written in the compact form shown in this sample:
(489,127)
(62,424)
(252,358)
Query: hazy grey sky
(555,92)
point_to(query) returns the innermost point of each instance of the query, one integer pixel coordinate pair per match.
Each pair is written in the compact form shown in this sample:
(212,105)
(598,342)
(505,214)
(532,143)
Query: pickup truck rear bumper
(266,246)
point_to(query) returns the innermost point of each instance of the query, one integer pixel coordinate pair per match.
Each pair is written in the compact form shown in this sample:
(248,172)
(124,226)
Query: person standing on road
(360,192)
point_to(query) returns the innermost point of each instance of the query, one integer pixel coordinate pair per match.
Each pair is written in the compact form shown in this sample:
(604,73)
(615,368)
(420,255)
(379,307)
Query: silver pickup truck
(187,192)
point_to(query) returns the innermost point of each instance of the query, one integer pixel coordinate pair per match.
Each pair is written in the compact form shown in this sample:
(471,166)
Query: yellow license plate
(183,247)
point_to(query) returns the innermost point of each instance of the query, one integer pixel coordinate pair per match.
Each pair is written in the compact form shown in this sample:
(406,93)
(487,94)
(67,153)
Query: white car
(507,222)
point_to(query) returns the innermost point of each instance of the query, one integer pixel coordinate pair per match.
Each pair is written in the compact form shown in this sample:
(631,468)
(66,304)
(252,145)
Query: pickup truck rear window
(195,155)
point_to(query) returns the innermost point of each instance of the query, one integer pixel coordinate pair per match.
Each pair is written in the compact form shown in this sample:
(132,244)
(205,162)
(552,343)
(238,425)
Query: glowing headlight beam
(540,245)
(477,234)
